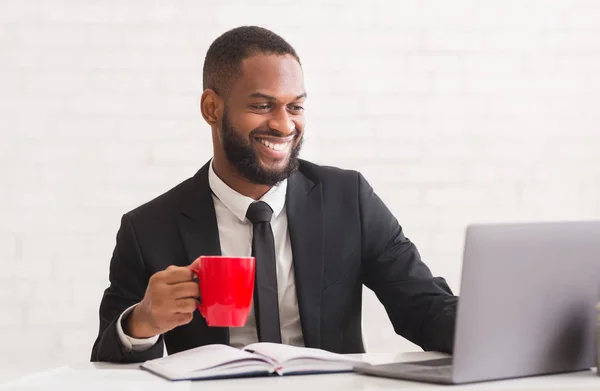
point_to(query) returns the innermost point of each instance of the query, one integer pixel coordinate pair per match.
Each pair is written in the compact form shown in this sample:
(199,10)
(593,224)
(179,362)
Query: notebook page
(201,358)
(245,369)
(314,366)
(284,353)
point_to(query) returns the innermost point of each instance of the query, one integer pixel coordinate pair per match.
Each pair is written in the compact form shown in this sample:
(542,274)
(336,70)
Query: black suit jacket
(342,237)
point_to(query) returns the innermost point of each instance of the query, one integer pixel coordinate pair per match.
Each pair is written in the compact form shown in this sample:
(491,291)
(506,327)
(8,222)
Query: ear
(211,107)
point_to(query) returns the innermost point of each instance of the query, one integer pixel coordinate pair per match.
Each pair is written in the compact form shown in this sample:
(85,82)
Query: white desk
(586,380)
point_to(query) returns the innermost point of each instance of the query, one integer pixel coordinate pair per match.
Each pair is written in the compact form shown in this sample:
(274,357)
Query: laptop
(526,307)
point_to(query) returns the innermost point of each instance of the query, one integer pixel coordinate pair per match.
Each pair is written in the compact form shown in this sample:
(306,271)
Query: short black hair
(226,53)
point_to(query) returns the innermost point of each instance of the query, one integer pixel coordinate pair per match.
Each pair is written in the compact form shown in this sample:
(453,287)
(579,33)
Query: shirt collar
(238,203)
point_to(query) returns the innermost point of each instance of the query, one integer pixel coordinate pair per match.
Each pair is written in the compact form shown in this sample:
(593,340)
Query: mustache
(272,133)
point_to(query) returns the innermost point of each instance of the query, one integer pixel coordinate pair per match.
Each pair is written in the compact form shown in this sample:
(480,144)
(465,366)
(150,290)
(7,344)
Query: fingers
(185,290)
(185,306)
(177,274)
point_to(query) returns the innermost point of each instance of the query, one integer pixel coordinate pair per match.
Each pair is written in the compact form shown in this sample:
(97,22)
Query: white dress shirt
(235,235)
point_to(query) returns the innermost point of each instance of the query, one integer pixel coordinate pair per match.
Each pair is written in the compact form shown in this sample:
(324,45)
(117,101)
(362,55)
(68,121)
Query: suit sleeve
(128,281)
(421,307)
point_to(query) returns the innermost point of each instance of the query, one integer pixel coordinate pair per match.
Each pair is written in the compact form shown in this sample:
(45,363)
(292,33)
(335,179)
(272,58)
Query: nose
(282,123)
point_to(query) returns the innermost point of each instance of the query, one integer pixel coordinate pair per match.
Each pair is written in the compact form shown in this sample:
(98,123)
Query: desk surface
(585,380)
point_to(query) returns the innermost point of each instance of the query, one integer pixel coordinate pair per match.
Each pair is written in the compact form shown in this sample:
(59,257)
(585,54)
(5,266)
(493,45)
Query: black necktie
(266,306)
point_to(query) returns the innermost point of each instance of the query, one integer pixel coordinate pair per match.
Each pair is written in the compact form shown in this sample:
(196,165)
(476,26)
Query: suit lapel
(198,221)
(304,205)
(200,235)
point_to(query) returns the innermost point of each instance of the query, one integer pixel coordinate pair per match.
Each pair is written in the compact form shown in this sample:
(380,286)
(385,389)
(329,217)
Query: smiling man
(324,233)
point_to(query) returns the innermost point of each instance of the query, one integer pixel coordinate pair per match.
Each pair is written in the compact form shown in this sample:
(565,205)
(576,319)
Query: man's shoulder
(328,174)
(166,203)
(333,178)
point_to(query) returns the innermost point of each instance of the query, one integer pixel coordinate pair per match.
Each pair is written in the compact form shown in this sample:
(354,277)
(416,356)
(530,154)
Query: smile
(276,146)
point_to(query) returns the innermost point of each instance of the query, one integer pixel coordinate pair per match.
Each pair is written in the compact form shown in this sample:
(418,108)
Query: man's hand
(169,301)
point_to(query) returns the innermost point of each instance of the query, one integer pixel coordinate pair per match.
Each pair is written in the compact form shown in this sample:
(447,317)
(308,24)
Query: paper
(202,357)
(68,379)
(284,353)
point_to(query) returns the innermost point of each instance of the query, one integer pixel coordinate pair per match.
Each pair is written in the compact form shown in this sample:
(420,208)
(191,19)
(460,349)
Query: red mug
(226,288)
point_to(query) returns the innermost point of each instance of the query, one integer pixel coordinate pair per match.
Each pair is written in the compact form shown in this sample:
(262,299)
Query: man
(324,232)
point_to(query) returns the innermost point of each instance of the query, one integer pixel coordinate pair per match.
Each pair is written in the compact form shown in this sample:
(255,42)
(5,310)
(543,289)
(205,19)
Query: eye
(261,107)
(296,108)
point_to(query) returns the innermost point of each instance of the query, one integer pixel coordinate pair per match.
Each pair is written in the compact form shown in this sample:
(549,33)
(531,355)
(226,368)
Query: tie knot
(259,212)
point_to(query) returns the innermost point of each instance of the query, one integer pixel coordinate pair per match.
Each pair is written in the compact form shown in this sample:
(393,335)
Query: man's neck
(237,182)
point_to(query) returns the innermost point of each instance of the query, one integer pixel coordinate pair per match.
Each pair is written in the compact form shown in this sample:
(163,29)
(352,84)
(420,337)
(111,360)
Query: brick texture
(456,112)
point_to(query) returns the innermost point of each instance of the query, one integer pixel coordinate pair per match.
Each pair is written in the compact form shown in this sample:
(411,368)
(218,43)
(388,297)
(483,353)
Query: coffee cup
(226,289)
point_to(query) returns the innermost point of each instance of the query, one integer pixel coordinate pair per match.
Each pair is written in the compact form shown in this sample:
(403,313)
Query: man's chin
(273,165)
(277,172)
(274,173)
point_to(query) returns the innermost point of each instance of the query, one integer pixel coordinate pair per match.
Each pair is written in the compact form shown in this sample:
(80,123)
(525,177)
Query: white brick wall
(456,112)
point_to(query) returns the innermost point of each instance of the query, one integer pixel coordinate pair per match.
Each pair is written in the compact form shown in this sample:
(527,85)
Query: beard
(242,155)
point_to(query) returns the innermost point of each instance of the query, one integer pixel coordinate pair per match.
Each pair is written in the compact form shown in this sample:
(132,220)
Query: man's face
(263,121)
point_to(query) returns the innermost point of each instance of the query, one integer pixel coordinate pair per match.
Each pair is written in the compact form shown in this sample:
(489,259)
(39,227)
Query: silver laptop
(526,307)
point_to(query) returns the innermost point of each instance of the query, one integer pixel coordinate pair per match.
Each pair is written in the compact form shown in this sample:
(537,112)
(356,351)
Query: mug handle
(197,271)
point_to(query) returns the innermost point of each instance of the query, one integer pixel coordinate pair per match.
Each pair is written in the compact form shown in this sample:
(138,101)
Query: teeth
(274,146)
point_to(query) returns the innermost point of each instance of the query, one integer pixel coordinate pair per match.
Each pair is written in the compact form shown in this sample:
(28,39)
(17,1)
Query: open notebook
(259,359)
